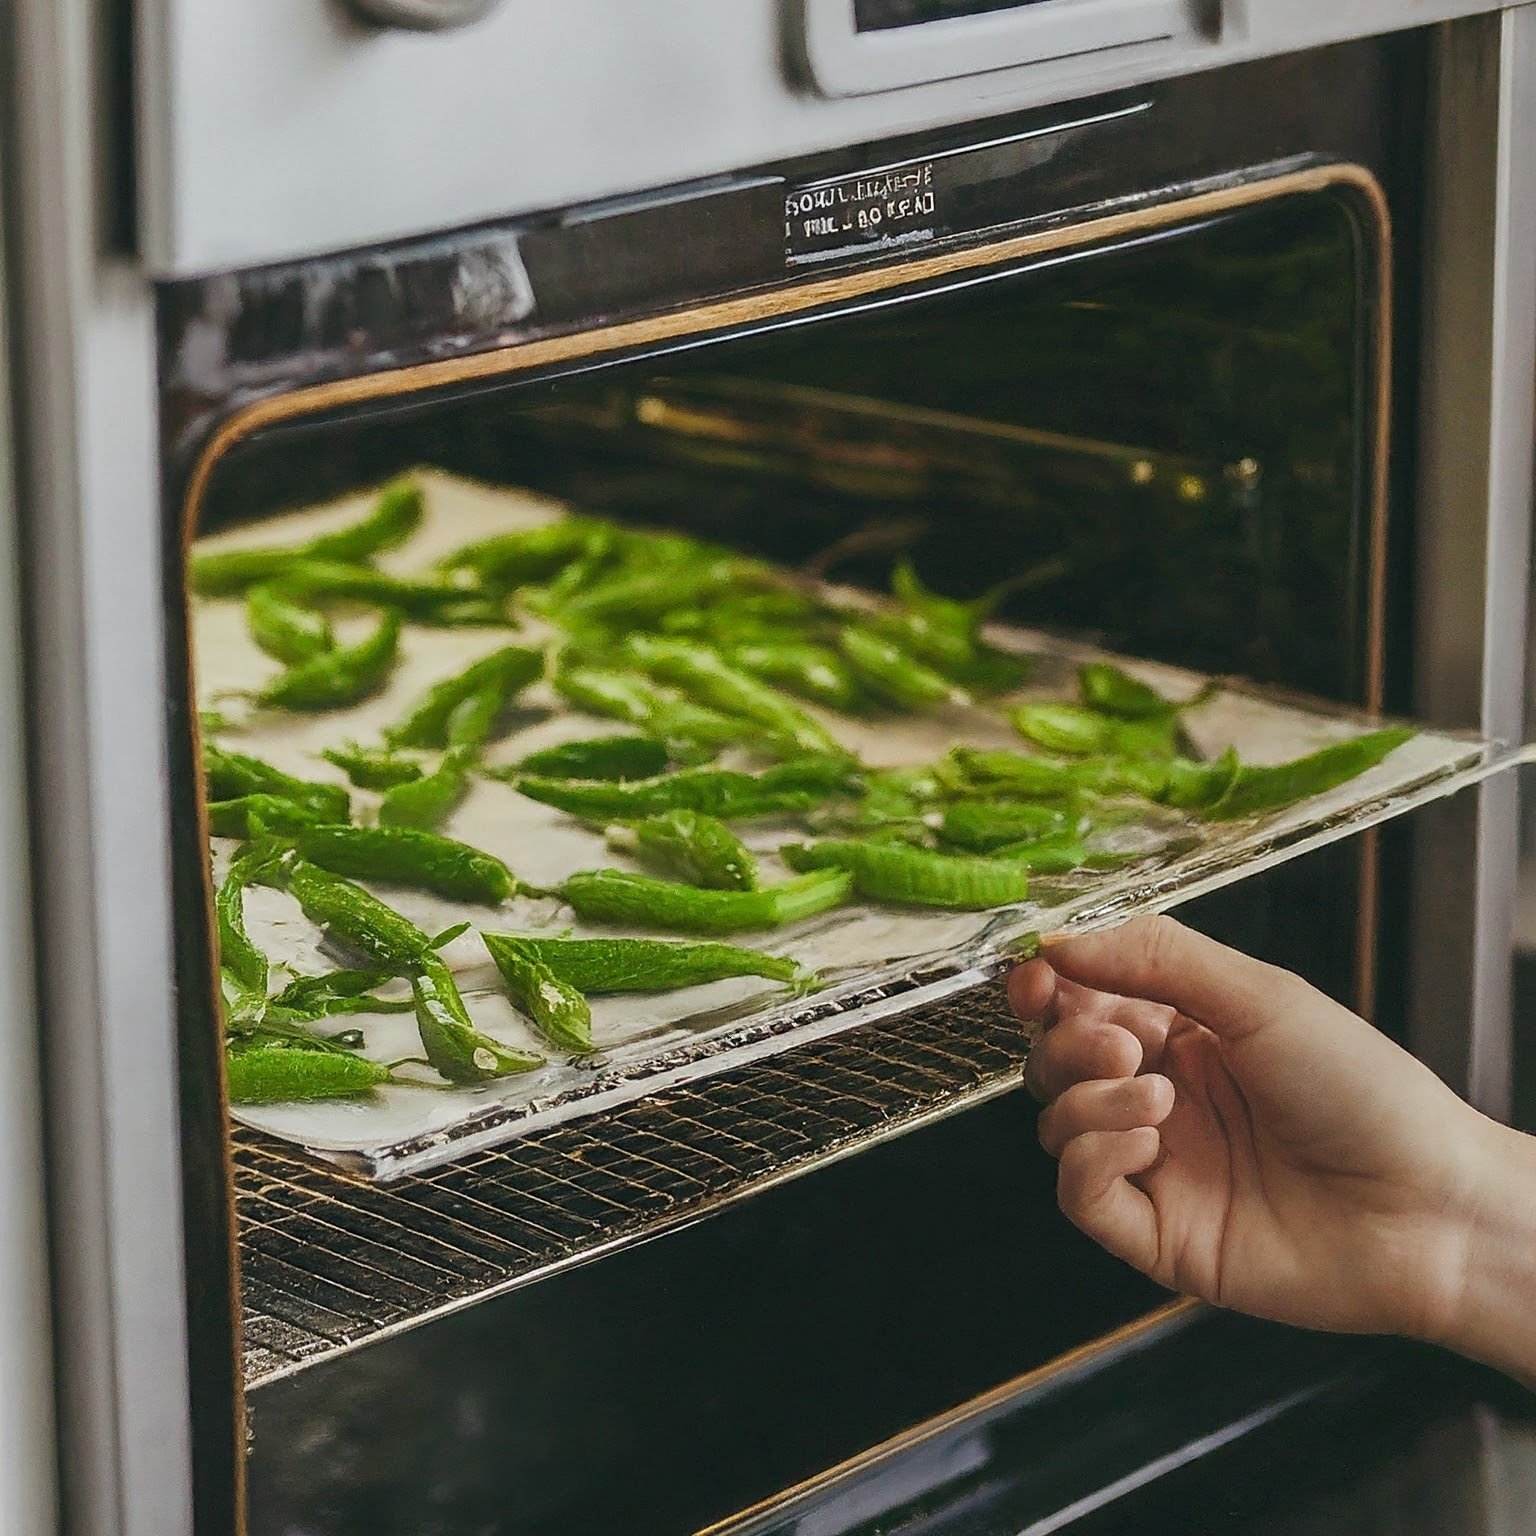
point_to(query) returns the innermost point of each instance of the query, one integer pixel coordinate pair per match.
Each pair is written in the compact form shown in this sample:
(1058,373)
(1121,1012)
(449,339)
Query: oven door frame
(132,1375)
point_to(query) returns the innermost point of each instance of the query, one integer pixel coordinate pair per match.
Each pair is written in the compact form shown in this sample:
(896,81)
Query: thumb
(1156,958)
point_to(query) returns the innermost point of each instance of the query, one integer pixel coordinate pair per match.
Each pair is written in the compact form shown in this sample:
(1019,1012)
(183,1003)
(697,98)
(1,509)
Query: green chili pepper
(602,757)
(396,516)
(312,998)
(1020,776)
(1266,789)
(894,673)
(403,855)
(690,733)
(338,581)
(611,896)
(709,680)
(286,630)
(1058,855)
(1073,730)
(946,633)
(210,722)
(338,677)
(392,521)
(897,872)
(279,1074)
(558,1010)
(454,1047)
(641,597)
(814,672)
(793,786)
(596,966)
(503,673)
(427,802)
(982,825)
(688,846)
(510,560)
(355,918)
(251,816)
(372,767)
(1197,786)
(1113,691)
(237,954)
(231,775)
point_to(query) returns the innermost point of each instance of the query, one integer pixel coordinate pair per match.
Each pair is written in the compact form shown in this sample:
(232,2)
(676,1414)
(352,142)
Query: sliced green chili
(393,520)
(721,792)
(814,672)
(249,816)
(982,825)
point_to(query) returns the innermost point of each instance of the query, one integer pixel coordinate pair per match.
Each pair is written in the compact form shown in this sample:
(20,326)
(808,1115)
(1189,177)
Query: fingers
(1120,1104)
(1081,1050)
(1159,959)
(1095,1193)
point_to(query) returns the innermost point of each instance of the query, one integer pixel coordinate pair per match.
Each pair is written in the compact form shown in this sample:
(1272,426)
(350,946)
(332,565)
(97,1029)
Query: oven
(1195,334)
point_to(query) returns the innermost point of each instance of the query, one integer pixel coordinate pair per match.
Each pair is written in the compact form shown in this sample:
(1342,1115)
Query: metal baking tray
(875,963)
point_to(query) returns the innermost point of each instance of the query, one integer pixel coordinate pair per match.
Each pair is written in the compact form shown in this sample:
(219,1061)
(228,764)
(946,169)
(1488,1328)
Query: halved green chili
(982,825)
(721,792)
(249,816)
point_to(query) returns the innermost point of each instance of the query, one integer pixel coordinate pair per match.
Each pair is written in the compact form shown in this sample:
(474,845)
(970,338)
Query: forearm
(1495,1321)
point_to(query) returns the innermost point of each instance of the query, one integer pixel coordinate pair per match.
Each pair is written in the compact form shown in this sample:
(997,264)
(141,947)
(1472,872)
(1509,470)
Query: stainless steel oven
(1209,326)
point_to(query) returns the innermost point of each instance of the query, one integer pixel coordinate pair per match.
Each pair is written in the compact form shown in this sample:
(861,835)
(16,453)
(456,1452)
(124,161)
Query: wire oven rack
(329,1263)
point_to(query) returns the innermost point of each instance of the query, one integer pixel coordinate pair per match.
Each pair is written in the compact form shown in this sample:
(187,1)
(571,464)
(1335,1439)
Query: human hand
(1238,1136)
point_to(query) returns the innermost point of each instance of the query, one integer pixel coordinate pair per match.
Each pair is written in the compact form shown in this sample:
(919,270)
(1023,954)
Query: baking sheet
(875,961)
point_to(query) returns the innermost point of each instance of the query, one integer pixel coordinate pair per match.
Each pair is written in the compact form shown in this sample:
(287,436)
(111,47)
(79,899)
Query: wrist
(1490,1309)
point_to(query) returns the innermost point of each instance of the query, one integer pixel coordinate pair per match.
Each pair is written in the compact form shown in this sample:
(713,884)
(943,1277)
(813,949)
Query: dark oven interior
(1169,441)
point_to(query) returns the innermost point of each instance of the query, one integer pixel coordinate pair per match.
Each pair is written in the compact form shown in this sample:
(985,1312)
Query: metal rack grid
(328,1263)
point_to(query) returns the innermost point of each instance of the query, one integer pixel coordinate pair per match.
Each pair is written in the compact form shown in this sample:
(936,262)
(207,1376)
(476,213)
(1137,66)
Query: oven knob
(421,15)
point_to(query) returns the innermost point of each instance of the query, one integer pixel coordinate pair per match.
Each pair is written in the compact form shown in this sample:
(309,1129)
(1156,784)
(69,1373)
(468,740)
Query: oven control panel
(853,49)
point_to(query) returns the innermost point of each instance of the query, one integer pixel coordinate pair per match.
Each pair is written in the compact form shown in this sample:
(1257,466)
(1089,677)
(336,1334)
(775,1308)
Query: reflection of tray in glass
(875,962)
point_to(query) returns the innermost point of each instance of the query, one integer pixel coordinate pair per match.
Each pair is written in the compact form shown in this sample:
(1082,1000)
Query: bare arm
(1240,1137)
